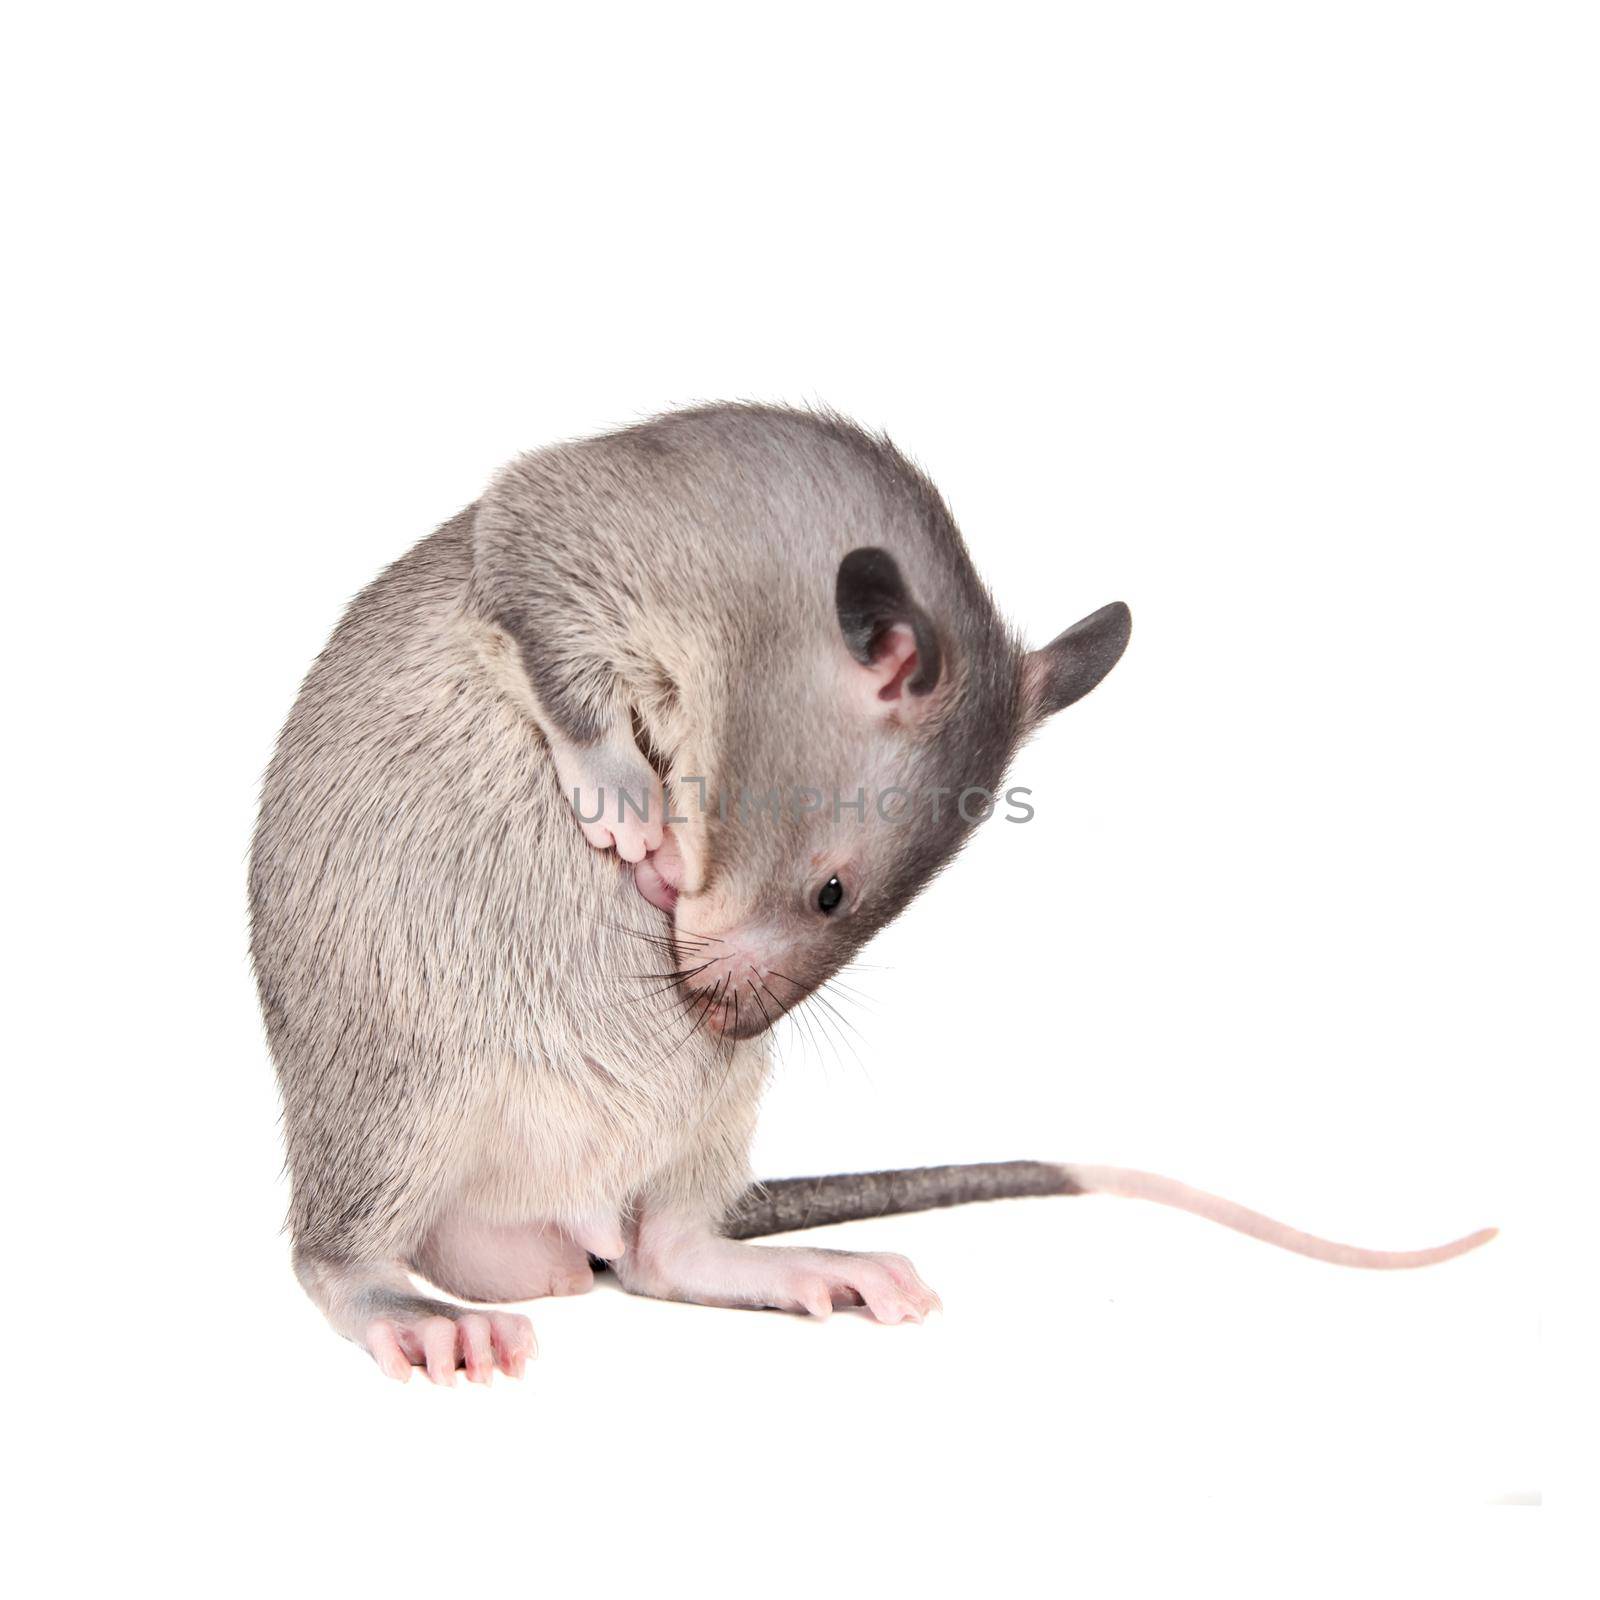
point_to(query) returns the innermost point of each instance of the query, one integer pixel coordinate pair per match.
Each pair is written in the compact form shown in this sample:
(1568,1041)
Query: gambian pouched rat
(442,949)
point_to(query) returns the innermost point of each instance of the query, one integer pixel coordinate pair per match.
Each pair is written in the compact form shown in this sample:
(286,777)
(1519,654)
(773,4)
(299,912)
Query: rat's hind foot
(816,1281)
(444,1339)
(710,1270)
(375,1305)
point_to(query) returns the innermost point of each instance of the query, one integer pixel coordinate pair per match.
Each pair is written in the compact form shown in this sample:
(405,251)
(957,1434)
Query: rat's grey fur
(447,969)
(783,1205)
(681,575)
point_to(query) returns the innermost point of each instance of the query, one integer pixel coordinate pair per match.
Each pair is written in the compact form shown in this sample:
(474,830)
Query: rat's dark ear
(1071,665)
(889,635)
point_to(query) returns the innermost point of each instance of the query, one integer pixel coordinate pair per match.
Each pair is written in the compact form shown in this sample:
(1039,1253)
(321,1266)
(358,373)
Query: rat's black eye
(829,896)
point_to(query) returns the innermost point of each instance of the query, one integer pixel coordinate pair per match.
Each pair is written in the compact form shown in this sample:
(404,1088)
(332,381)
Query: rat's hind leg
(493,1261)
(676,1249)
(680,1256)
(376,1305)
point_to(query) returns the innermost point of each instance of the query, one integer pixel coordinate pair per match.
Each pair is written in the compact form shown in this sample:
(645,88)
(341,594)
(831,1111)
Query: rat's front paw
(632,837)
(474,1341)
(617,799)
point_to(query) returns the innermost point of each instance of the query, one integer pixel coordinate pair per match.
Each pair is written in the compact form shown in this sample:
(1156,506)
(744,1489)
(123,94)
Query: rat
(586,792)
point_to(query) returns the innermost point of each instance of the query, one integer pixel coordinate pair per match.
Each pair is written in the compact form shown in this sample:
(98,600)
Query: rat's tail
(785,1204)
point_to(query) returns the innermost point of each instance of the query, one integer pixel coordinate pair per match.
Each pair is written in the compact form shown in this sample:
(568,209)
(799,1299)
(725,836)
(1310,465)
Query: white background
(1276,322)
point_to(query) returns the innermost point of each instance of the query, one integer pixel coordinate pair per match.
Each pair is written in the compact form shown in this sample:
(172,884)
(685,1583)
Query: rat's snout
(734,996)
(732,985)
(737,974)
(737,977)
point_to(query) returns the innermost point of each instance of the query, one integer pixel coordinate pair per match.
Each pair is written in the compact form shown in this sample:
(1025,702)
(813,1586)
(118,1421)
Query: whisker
(833,1011)
(676,973)
(755,994)
(664,940)
(666,988)
(831,1022)
(842,989)
(708,1001)
(799,1019)
(829,1014)
(819,996)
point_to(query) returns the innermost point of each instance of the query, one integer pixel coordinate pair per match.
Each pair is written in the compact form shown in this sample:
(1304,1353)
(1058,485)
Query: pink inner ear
(894,661)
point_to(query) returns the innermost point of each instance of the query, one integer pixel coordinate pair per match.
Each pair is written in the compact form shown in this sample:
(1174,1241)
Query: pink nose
(734,1004)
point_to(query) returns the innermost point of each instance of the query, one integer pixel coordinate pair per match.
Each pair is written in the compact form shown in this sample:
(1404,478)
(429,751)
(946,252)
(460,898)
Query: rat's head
(824,822)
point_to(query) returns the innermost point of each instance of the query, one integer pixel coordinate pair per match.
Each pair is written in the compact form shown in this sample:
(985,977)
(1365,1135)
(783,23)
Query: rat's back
(432,939)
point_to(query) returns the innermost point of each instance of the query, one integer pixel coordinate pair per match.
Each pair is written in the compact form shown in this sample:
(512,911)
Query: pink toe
(477,1353)
(818,1302)
(385,1347)
(439,1350)
(513,1342)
